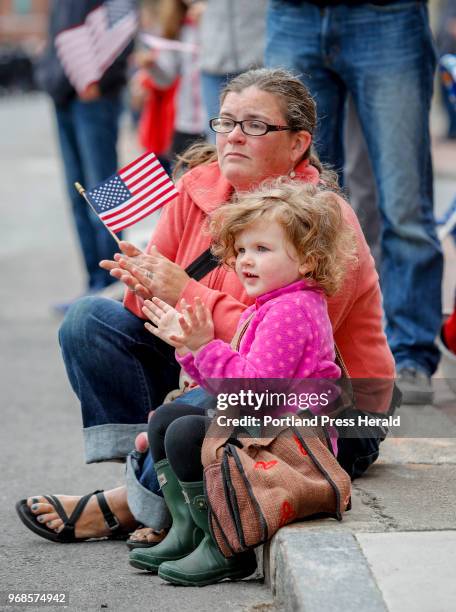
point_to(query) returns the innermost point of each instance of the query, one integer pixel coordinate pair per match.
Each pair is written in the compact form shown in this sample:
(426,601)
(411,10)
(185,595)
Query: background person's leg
(360,181)
(96,125)
(211,86)
(391,83)
(296,39)
(119,372)
(74,171)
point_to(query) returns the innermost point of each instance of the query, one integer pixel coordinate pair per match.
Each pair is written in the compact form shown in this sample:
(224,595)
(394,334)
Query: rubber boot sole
(143,566)
(146,565)
(231,574)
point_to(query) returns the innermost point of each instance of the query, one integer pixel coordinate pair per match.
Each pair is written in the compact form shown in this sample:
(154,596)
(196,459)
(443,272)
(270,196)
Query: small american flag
(133,193)
(86,51)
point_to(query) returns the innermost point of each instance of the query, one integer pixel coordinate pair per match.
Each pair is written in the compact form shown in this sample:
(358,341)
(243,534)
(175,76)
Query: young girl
(289,245)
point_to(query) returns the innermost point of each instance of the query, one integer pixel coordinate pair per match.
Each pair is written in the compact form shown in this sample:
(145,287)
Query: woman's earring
(292,174)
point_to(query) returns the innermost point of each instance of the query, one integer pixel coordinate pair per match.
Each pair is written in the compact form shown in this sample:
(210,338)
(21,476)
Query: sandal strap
(111,520)
(55,502)
(70,522)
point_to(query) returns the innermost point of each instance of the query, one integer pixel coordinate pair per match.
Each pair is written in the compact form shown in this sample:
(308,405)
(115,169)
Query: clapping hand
(197,325)
(189,330)
(165,321)
(147,274)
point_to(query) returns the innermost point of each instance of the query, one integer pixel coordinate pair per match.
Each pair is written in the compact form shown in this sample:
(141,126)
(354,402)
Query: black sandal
(66,535)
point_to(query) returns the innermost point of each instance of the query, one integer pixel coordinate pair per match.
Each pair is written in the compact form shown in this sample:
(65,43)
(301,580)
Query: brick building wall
(23,21)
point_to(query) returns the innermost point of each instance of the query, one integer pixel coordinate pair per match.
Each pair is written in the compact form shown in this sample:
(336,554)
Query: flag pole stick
(80,189)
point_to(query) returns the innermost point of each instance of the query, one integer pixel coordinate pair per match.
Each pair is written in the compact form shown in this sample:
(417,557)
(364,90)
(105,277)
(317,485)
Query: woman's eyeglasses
(251,127)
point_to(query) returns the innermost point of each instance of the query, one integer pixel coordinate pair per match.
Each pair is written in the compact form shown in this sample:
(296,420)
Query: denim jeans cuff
(110,442)
(146,506)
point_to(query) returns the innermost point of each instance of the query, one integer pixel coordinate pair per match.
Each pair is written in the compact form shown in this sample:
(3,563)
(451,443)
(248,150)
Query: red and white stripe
(151,188)
(87,51)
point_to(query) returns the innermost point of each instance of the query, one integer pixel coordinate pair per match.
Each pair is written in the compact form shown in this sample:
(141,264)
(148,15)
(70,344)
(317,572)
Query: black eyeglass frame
(269,127)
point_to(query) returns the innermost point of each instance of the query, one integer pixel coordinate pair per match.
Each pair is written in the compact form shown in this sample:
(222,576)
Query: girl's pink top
(289,336)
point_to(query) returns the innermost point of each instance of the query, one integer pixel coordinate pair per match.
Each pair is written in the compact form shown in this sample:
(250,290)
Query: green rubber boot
(206,564)
(183,537)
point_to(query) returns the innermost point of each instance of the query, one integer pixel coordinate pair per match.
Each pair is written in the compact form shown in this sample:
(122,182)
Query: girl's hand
(165,321)
(145,58)
(197,325)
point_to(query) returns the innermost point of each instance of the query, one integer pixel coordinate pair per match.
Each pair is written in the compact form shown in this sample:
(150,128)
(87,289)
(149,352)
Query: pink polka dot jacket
(289,336)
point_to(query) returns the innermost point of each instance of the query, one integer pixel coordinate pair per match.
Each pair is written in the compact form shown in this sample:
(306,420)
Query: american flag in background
(133,193)
(86,51)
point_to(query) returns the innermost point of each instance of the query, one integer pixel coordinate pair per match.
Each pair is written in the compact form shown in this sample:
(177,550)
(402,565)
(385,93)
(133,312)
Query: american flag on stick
(134,192)
(86,51)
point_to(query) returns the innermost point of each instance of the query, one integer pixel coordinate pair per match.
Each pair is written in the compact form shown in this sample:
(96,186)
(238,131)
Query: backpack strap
(236,341)
(202,265)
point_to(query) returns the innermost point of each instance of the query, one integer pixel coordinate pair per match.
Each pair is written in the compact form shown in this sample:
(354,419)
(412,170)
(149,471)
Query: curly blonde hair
(311,218)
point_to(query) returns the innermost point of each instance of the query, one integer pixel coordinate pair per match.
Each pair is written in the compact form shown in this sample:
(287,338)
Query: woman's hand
(165,319)
(113,267)
(147,274)
(197,325)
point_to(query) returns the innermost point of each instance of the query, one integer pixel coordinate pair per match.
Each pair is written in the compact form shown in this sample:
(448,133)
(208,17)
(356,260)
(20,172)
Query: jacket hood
(208,188)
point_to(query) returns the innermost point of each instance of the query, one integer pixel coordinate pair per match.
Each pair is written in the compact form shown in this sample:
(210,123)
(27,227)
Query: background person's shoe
(447,363)
(415,386)
(114,291)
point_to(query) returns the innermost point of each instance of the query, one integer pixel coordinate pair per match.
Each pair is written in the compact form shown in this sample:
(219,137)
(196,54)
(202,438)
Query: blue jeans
(88,138)
(211,87)
(384,57)
(118,370)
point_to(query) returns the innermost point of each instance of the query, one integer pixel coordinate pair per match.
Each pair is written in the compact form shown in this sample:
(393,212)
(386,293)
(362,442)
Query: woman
(120,372)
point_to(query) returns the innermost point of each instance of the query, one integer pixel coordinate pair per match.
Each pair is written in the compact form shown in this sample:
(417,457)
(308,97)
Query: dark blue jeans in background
(384,57)
(88,139)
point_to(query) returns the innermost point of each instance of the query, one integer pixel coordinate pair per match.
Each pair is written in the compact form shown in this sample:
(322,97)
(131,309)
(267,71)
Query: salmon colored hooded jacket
(355,310)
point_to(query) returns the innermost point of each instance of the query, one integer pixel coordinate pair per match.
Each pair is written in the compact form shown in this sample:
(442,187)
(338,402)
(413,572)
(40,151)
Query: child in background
(171,81)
